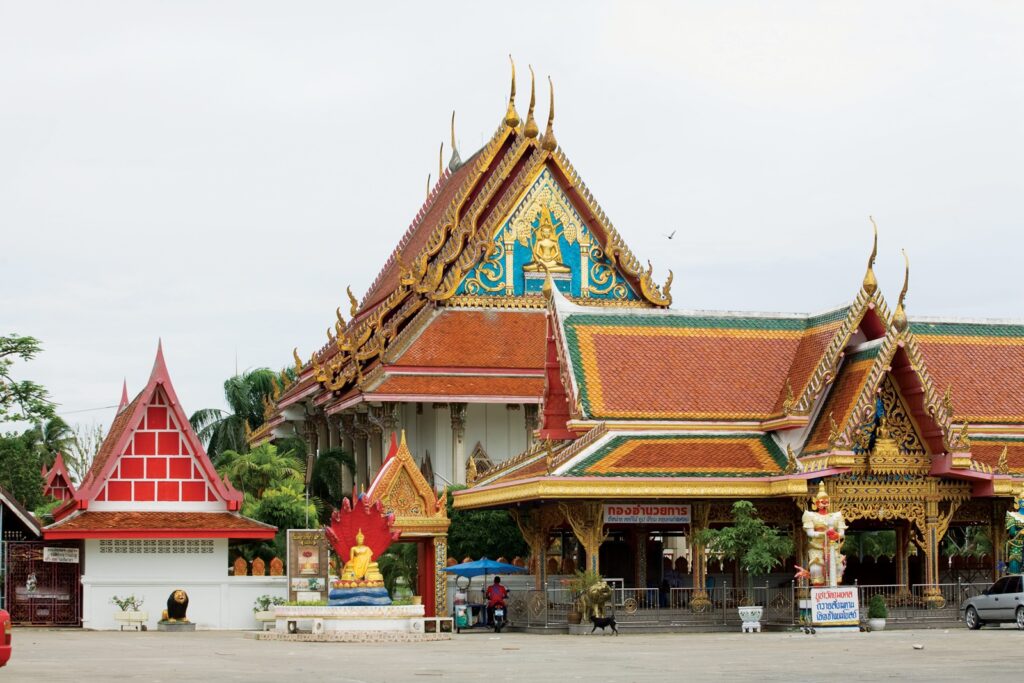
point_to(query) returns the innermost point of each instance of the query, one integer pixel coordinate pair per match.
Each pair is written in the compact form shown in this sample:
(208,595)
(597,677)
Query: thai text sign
(64,555)
(643,513)
(835,606)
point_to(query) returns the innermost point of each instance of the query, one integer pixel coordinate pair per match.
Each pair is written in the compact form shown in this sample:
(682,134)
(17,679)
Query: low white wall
(152,570)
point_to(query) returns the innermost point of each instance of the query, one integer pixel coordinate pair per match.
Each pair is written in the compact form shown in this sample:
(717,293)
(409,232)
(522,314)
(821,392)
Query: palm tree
(48,438)
(325,480)
(260,469)
(246,395)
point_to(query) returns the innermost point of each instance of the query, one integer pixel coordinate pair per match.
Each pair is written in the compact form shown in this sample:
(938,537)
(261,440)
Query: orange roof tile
(480,339)
(132,524)
(682,455)
(842,397)
(451,386)
(987,450)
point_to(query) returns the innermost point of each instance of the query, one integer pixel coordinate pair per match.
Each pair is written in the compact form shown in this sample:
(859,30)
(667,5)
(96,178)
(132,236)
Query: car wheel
(971,619)
(1020,618)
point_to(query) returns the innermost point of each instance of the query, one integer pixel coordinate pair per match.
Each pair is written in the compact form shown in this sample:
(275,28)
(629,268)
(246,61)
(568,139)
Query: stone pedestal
(175,627)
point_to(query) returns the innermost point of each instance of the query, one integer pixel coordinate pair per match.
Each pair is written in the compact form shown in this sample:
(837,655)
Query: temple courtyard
(947,655)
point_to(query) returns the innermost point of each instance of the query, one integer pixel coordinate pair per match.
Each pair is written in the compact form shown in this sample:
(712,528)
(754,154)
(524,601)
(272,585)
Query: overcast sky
(215,173)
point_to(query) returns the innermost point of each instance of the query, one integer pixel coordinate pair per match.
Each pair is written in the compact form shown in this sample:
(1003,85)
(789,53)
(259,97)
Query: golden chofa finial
(428,186)
(440,161)
(337,314)
(511,116)
(548,287)
(353,303)
(531,130)
(549,143)
(456,160)
(899,318)
(870,281)
(298,361)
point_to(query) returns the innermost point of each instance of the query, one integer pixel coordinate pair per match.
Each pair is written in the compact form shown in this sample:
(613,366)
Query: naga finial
(428,186)
(456,160)
(548,287)
(870,284)
(511,116)
(1003,464)
(899,318)
(549,143)
(440,162)
(298,361)
(337,314)
(531,130)
(353,302)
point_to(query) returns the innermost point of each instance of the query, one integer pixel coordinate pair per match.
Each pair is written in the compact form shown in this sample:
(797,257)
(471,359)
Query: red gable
(57,482)
(151,461)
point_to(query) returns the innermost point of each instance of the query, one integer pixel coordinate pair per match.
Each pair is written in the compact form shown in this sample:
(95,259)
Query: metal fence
(716,607)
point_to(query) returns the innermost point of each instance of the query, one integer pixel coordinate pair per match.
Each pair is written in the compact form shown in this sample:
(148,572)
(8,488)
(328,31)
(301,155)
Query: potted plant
(757,549)
(578,585)
(877,612)
(131,613)
(262,608)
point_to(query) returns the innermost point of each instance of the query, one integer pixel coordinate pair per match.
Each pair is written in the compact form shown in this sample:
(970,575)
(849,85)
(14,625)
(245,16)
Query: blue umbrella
(483,567)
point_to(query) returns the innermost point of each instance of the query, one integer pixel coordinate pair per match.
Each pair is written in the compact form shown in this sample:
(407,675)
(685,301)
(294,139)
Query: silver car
(1002,602)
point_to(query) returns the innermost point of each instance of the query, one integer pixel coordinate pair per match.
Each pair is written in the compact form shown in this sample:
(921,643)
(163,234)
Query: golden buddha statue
(547,255)
(360,566)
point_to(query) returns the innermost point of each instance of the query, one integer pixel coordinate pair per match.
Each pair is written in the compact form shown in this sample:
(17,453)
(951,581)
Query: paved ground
(948,655)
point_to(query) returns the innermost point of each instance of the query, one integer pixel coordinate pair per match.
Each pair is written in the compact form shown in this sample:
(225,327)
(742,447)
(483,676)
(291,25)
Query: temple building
(57,482)
(151,516)
(448,343)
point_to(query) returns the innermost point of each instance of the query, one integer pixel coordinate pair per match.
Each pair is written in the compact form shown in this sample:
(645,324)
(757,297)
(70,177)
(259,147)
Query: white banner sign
(65,555)
(835,606)
(642,513)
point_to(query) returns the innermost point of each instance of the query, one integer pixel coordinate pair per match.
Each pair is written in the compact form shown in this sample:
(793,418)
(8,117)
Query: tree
(325,480)
(21,401)
(400,564)
(755,546)
(20,470)
(50,437)
(262,468)
(83,450)
(247,396)
(480,533)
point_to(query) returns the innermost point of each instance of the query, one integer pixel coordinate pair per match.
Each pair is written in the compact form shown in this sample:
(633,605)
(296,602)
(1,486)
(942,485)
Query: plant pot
(876,624)
(751,617)
(132,618)
(574,616)
(416,600)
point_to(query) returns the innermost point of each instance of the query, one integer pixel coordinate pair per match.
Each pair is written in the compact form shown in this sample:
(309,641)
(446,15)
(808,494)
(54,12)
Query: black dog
(603,623)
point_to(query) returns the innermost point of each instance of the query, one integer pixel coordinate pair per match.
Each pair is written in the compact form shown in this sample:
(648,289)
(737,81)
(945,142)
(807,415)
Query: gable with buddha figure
(544,234)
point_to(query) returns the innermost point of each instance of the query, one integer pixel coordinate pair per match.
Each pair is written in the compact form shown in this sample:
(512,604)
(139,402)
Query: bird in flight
(670,236)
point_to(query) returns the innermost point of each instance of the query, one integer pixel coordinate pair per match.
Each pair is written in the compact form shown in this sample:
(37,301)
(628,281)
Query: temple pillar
(375,449)
(587,521)
(535,526)
(440,577)
(347,434)
(361,431)
(698,557)
(997,532)
(935,525)
(312,435)
(333,432)
(640,557)
(458,418)
(902,558)
(322,438)
(530,412)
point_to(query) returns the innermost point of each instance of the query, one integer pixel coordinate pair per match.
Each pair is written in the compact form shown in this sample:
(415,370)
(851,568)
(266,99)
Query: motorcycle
(499,617)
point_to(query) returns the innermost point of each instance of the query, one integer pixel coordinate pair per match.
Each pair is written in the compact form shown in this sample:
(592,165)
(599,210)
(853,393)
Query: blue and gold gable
(545,234)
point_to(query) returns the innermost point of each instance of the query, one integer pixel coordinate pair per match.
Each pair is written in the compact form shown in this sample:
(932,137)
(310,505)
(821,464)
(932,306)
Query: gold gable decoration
(402,489)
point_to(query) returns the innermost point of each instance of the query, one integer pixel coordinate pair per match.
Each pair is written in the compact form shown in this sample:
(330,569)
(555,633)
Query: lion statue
(177,605)
(594,599)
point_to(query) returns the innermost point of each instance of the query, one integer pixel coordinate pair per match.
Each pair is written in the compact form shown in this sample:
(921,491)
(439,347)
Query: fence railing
(716,607)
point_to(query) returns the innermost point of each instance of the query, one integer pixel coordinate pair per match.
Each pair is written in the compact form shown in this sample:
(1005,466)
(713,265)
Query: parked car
(1002,602)
(5,637)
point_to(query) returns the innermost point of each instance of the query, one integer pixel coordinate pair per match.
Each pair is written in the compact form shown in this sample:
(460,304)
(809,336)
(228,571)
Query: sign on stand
(836,606)
(62,555)
(644,513)
(307,565)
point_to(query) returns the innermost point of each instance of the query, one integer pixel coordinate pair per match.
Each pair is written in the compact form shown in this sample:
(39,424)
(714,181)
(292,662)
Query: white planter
(876,624)
(131,618)
(751,616)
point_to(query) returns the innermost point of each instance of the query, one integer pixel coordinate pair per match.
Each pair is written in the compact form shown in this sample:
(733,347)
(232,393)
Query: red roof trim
(58,535)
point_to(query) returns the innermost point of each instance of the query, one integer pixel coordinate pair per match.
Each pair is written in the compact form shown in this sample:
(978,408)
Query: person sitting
(496,594)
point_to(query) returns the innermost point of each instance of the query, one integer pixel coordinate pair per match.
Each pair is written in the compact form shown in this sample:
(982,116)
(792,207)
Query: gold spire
(549,143)
(511,117)
(531,130)
(440,163)
(352,302)
(428,186)
(870,281)
(456,160)
(899,318)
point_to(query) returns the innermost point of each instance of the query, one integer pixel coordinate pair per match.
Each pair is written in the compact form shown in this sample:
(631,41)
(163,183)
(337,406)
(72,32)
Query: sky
(216,173)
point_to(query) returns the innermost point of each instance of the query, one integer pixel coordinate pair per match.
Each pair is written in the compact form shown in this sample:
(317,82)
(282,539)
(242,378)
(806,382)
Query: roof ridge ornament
(511,116)
(870,284)
(455,161)
(428,185)
(531,130)
(352,301)
(440,162)
(549,143)
(899,318)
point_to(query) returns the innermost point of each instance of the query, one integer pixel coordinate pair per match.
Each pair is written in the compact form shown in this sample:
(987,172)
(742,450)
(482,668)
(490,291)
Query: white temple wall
(216,600)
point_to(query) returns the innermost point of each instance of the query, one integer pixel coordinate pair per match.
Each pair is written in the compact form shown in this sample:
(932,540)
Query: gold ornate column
(640,557)
(440,576)
(936,522)
(699,559)
(902,558)
(536,526)
(587,522)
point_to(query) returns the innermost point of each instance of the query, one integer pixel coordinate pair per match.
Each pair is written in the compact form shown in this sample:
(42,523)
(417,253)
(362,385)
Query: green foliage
(47,438)
(44,511)
(21,401)
(755,546)
(399,565)
(264,602)
(325,480)
(874,544)
(877,608)
(483,533)
(284,506)
(262,468)
(245,394)
(306,603)
(970,541)
(127,604)
(83,450)
(20,470)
